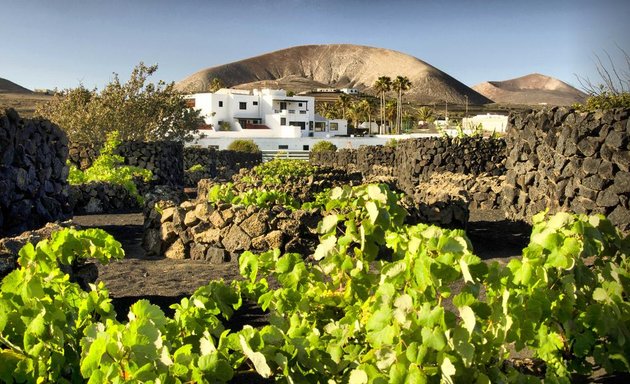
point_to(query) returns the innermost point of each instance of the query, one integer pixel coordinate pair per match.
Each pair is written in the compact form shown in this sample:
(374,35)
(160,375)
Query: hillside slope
(336,65)
(531,89)
(10,87)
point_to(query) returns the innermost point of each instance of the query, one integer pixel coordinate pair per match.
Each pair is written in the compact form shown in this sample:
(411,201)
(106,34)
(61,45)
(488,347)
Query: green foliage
(393,143)
(242,145)
(324,146)
(351,316)
(278,172)
(605,101)
(136,109)
(43,315)
(225,193)
(108,167)
(196,168)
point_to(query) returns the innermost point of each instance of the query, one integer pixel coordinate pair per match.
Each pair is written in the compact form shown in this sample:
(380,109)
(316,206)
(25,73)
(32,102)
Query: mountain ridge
(339,66)
(7,86)
(531,89)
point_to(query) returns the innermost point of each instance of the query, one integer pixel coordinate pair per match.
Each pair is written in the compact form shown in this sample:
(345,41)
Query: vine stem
(13,347)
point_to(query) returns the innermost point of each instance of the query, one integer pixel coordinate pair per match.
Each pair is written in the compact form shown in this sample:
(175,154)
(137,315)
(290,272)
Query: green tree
(137,110)
(390,111)
(382,85)
(215,84)
(328,110)
(400,84)
(426,114)
(343,103)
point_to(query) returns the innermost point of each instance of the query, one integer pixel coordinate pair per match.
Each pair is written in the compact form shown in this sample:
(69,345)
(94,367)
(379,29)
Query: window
(334,126)
(242,105)
(299,104)
(320,126)
(283,105)
(255,102)
(305,147)
(190,103)
(220,103)
(283,121)
(283,147)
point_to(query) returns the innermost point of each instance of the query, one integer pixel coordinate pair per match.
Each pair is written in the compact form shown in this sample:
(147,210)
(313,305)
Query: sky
(64,43)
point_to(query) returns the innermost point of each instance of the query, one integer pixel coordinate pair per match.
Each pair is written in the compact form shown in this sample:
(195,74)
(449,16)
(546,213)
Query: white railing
(284,154)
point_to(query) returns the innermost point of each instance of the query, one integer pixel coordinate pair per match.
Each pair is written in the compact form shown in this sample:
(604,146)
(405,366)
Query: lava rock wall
(33,173)
(566,160)
(216,164)
(164,158)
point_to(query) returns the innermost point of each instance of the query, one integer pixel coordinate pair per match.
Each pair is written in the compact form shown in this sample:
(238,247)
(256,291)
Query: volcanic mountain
(310,67)
(7,86)
(531,89)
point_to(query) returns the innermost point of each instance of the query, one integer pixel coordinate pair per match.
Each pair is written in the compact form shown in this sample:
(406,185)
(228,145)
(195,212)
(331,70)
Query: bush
(324,146)
(242,145)
(136,110)
(605,100)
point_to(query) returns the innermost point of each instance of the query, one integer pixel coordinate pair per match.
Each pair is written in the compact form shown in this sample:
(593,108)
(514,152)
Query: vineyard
(378,301)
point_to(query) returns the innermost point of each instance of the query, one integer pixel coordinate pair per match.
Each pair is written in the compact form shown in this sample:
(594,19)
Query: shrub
(324,146)
(135,109)
(242,145)
(605,100)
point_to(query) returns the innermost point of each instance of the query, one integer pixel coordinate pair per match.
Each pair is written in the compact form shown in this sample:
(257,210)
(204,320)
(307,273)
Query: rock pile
(566,160)
(33,173)
(206,231)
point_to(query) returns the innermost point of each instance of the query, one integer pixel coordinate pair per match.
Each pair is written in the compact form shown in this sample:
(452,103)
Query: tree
(365,108)
(328,110)
(426,114)
(391,107)
(381,85)
(343,103)
(215,84)
(136,109)
(243,145)
(400,84)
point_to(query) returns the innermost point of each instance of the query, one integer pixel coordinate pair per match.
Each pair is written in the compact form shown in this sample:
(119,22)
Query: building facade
(232,113)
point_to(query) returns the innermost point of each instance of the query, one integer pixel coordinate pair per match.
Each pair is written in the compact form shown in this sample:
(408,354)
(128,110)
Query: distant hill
(7,86)
(531,89)
(337,65)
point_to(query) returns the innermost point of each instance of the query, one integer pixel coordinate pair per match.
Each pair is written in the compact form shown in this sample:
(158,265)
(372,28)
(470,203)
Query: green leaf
(257,358)
(599,294)
(329,223)
(213,365)
(325,247)
(358,376)
(468,317)
(373,211)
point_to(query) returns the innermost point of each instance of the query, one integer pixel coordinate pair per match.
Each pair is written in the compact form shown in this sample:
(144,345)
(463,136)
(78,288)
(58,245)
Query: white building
(489,122)
(243,114)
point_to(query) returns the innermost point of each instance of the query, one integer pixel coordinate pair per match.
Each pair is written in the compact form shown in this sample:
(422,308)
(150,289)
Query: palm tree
(343,102)
(400,84)
(327,110)
(426,114)
(215,84)
(381,85)
(390,110)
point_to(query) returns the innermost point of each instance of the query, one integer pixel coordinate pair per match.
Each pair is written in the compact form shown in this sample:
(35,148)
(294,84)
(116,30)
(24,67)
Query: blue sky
(61,43)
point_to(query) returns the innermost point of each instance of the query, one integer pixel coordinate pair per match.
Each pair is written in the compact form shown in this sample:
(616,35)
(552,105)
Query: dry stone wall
(216,164)
(164,158)
(98,197)
(33,173)
(206,231)
(562,159)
